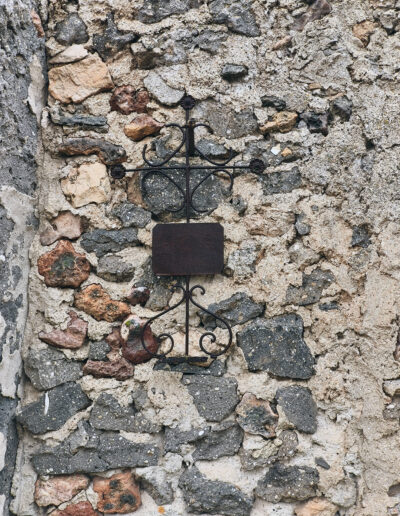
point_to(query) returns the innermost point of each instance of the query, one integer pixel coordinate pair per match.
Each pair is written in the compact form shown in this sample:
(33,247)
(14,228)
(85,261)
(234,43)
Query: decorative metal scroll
(187,193)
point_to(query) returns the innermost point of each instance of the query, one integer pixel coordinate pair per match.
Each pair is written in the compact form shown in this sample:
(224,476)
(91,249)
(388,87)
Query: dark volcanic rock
(360,236)
(210,41)
(217,368)
(159,287)
(215,398)
(80,121)
(272,101)
(299,407)
(112,40)
(108,153)
(237,15)
(99,350)
(53,408)
(90,451)
(71,30)
(288,483)
(203,496)
(108,414)
(154,481)
(115,268)
(276,345)
(175,438)
(103,241)
(223,440)
(311,289)
(47,368)
(131,215)
(281,182)
(256,416)
(232,72)
(238,309)
(212,149)
(154,11)
(316,123)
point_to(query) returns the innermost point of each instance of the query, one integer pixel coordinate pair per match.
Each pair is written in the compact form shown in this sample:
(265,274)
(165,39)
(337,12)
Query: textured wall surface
(302,416)
(21,99)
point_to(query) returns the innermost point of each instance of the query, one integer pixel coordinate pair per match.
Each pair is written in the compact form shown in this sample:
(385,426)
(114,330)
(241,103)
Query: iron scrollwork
(187,194)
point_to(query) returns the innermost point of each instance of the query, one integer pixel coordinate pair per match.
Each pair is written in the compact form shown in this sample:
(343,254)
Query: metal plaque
(188,249)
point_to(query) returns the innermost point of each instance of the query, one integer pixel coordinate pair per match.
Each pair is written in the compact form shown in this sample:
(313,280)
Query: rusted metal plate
(188,249)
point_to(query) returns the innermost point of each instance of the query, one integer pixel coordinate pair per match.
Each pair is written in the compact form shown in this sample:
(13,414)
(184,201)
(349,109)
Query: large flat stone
(276,345)
(299,407)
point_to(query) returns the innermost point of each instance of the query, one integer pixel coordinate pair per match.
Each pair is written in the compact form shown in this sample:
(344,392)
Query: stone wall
(302,416)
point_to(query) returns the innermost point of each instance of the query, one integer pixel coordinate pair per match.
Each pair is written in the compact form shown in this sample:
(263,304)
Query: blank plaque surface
(188,249)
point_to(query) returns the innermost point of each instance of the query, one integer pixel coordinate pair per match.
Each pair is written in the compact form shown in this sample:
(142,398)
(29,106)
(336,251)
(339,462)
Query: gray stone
(233,72)
(80,121)
(160,287)
(132,215)
(299,407)
(360,237)
(237,15)
(212,150)
(153,11)
(239,204)
(215,398)
(276,345)
(242,261)
(115,268)
(161,195)
(99,350)
(112,40)
(256,416)
(108,414)
(203,496)
(238,309)
(216,368)
(321,462)
(281,182)
(53,408)
(287,448)
(223,440)
(342,107)
(224,121)
(9,435)
(154,481)
(210,41)
(316,122)
(302,228)
(143,425)
(103,241)
(326,307)
(288,483)
(47,368)
(272,101)
(175,439)
(91,451)
(310,292)
(161,91)
(71,30)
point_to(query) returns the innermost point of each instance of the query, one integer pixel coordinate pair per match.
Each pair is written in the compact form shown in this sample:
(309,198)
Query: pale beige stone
(316,507)
(363,31)
(77,81)
(70,55)
(86,184)
(283,122)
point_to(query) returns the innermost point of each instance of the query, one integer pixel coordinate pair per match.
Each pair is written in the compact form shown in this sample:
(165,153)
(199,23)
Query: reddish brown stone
(71,338)
(120,369)
(114,340)
(108,153)
(126,100)
(65,225)
(141,126)
(95,301)
(76,509)
(132,347)
(138,296)
(59,489)
(37,23)
(63,266)
(117,494)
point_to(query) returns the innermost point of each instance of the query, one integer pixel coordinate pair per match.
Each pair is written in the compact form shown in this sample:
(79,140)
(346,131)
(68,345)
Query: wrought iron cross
(185,249)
